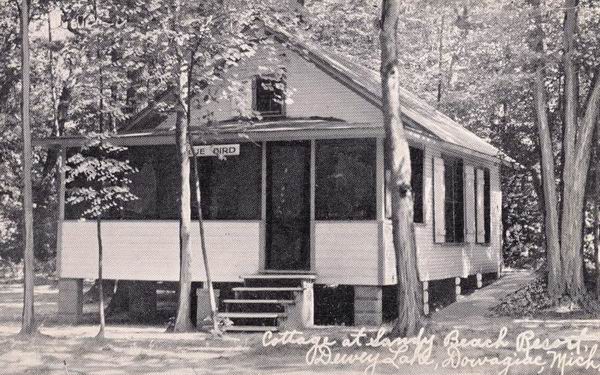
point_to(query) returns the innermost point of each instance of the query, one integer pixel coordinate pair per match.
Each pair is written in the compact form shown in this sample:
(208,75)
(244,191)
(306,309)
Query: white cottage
(301,202)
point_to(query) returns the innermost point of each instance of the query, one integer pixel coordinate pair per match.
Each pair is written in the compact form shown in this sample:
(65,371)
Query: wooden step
(259,301)
(252,315)
(279,277)
(251,328)
(266,289)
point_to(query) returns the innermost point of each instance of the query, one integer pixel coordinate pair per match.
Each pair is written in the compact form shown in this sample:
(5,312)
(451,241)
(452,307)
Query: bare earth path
(128,349)
(473,311)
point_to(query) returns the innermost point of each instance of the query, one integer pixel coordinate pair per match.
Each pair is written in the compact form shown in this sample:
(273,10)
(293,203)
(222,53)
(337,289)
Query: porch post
(60,214)
(380,209)
(368,305)
(263,210)
(312,204)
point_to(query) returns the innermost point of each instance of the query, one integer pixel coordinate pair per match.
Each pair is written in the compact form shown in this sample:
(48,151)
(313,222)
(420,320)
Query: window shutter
(388,194)
(470,229)
(480,180)
(439,200)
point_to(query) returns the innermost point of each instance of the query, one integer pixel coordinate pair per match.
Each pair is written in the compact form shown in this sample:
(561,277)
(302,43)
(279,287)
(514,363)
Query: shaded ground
(149,350)
(473,311)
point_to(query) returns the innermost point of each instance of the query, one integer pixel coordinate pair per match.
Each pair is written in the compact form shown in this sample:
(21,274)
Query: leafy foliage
(106,185)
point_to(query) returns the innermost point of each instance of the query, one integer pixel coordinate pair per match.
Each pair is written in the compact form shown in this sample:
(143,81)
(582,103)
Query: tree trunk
(572,210)
(398,162)
(183,321)
(211,291)
(597,219)
(209,284)
(551,215)
(565,271)
(28,321)
(440,85)
(100,334)
(554,267)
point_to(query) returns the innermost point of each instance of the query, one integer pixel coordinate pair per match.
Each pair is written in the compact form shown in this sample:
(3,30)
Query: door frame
(262,258)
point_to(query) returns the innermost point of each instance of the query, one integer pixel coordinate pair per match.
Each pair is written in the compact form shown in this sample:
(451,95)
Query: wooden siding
(313,92)
(347,252)
(149,250)
(441,260)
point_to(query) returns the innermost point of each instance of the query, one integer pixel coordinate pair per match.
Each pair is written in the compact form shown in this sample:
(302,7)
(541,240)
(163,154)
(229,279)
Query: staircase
(270,302)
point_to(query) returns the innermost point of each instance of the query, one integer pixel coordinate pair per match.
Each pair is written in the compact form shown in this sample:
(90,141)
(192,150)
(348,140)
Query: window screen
(345,179)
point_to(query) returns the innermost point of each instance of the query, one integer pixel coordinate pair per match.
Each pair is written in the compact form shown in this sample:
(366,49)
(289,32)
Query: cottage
(300,200)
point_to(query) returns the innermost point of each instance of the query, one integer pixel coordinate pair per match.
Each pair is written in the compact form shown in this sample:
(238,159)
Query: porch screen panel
(152,164)
(345,179)
(166,169)
(231,187)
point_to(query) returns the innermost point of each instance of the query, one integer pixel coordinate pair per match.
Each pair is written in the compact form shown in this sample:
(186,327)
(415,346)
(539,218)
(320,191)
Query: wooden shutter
(439,200)
(470,230)
(479,209)
(388,194)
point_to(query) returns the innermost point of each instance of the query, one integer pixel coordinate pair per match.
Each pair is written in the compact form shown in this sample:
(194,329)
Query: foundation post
(426,297)
(479,280)
(70,300)
(302,313)
(457,289)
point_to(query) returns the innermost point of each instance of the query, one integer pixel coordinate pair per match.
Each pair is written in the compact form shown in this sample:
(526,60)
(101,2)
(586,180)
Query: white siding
(347,252)
(313,92)
(149,250)
(440,260)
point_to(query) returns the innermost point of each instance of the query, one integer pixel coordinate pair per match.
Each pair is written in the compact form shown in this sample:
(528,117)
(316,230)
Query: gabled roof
(420,118)
(367,83)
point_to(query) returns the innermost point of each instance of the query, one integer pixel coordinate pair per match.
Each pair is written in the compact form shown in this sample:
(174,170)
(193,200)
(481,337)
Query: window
(345,179)
(454,201)
(416,182)
(230,188)
(269,96)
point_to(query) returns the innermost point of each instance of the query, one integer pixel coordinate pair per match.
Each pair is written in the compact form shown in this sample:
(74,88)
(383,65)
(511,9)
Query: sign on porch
(216,150)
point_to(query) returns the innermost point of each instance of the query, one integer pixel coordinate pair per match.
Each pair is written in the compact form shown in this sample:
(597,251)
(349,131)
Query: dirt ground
(130,349)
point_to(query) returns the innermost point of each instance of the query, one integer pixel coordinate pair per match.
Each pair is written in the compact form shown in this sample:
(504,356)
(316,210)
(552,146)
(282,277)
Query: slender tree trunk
(597,218)
(100,279)
(440,85)
(209,284)
(183,321)
(549,188)
(573,180)
(28,322)
(554,266)
(55,123)
(398,162)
